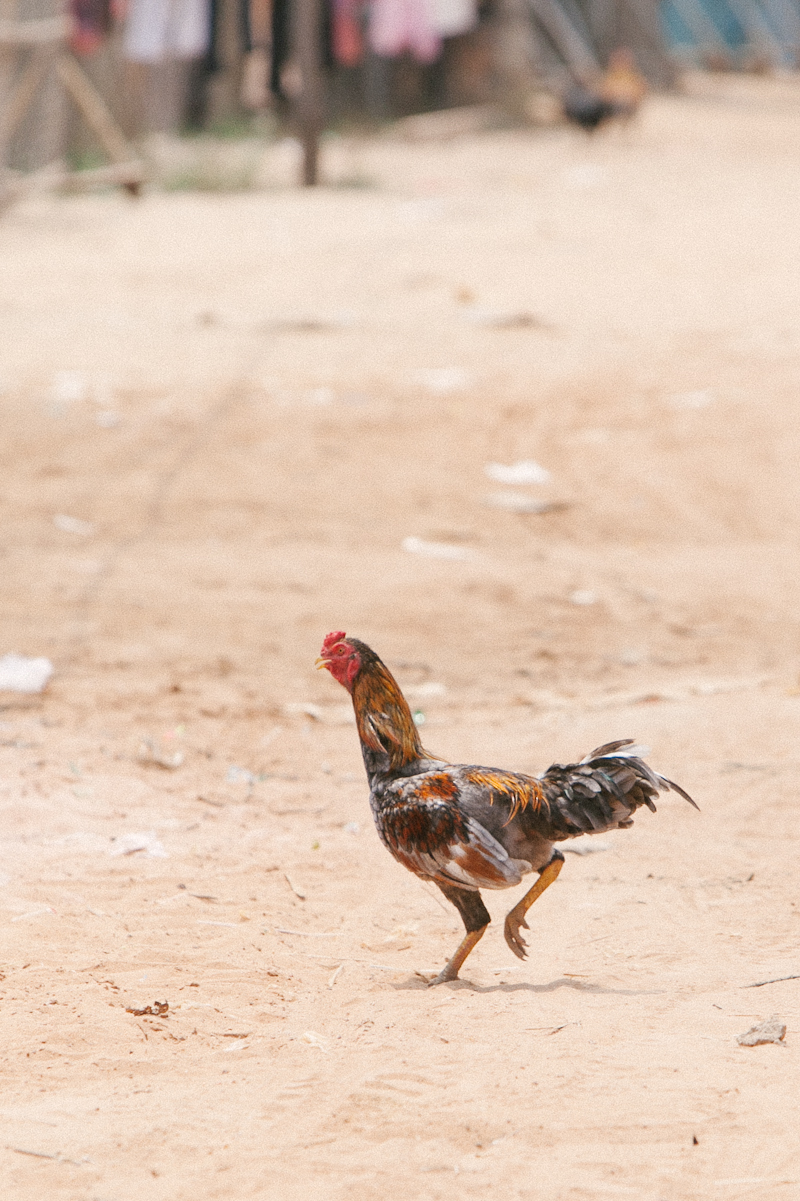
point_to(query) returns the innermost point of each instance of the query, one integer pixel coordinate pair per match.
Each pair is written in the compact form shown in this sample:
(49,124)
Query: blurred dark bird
(464,827)
(584,106)
(617,93)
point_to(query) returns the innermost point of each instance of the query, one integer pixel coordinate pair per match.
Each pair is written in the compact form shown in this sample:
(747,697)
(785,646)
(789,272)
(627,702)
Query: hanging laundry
(254,92)
(279,48)
(259,23)
(91,22)
(166,29)
(397,26)
(348,44)
(281,44)
(214,56)
(453,17)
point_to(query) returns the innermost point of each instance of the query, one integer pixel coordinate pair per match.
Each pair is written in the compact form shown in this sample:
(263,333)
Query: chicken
(623,86)
(618,92)
(466,828)
(585,106)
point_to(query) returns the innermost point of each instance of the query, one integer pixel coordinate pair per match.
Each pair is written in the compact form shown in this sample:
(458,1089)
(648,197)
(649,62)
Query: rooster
(623,86)
(466,828)
(617,93)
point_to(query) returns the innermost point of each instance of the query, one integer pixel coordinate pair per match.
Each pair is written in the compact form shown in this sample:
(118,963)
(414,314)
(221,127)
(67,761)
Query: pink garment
(91,22)
(348,48)
(399,25)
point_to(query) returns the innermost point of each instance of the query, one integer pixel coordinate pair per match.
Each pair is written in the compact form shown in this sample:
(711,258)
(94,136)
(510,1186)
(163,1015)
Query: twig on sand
(294,889)
(550,1029)
(309,933)
(777,980)
(43,1155)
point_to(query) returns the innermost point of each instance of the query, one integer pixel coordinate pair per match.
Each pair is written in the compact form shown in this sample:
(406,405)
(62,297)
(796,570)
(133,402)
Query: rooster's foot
(446,974)
(453,966)
(516,918)
(516,942)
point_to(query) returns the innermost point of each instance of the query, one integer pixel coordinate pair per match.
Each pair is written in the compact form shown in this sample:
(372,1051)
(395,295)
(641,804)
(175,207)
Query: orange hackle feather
(522,793)
(383,717)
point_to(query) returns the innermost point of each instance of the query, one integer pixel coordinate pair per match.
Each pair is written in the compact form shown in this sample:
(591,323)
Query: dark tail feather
(680,791)
(634,753)
(605,789)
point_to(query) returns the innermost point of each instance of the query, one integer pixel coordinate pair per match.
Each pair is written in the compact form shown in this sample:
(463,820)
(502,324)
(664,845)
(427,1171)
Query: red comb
(332,639)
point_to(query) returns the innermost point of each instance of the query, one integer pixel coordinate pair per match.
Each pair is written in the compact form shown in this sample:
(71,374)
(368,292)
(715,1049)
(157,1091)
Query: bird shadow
(417,983)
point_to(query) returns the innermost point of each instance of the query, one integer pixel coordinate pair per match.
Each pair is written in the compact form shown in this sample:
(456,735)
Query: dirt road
(223,419)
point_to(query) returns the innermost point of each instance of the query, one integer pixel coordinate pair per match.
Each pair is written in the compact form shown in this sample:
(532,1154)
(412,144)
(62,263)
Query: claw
(451,968)
(442,978)
(516,918)
(513,937)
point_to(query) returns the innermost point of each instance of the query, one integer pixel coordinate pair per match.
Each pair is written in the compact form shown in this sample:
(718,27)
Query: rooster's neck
(389,737)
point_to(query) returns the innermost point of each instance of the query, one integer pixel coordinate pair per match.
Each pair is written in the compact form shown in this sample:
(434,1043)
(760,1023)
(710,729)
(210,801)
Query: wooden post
(94,109)
(602,17)
(31,100)
(33,105)
(225,84)
(19,100)
(516,66)
(308,98)
(639,28)
(575,48)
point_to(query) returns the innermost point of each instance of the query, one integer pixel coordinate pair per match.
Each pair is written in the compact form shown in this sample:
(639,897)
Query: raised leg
(516,918)
(476,918)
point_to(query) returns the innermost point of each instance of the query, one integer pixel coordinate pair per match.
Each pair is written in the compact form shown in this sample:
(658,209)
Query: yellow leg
(516,917)
(452,967)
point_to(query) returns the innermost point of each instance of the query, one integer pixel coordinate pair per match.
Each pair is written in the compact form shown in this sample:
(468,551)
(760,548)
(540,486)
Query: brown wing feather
(421,823)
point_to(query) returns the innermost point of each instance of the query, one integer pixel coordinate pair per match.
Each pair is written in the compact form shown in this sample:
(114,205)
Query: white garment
(451,17)
(161,29)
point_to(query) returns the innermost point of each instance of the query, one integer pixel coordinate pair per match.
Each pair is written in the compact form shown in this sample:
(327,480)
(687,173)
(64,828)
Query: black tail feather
(604,790)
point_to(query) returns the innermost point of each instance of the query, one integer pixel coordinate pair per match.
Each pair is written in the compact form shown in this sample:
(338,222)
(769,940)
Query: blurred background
(85,82)
(513,369)
(512,395)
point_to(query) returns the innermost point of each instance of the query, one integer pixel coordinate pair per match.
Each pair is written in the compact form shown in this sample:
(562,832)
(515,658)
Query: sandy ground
(252,401)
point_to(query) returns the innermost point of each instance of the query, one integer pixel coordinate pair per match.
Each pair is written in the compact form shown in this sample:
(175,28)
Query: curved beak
(320,663)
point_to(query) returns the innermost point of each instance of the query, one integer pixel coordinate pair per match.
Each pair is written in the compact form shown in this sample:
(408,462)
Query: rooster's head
(341,657)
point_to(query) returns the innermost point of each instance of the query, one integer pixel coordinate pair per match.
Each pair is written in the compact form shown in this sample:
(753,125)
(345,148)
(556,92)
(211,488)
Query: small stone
(771,1031)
